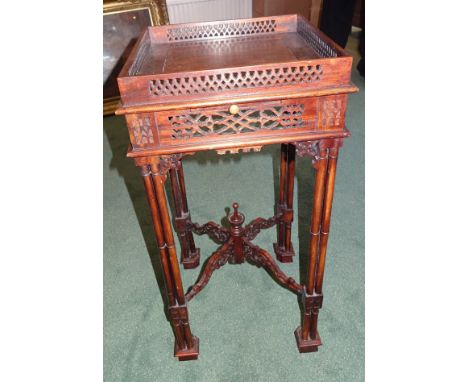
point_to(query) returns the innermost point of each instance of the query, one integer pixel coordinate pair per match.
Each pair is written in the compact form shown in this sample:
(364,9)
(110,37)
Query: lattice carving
(135,68)
(331,108)
(252,229)
(141,130)
(245,121)
(233,80)
(233,29)
(220,46)
(215,231)
(320,46)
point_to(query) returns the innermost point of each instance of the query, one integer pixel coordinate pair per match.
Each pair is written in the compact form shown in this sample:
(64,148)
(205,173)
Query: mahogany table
(235,86)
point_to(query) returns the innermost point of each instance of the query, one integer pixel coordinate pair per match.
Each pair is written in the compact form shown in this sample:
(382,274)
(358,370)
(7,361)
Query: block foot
(187,354)
(306,346)
(282,255)
(192,260)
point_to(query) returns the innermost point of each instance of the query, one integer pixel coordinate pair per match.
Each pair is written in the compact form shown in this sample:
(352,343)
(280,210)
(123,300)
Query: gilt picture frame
(123,21)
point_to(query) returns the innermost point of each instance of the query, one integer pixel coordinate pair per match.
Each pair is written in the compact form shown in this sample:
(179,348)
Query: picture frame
(123,21)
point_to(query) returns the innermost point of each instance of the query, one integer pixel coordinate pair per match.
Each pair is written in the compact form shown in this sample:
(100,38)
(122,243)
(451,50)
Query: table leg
(327,208)
(190,255)
(186,344)
(307,336)
(283,248)
(282,192)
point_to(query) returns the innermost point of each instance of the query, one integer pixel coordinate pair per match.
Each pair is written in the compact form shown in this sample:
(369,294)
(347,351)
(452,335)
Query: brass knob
(234,109)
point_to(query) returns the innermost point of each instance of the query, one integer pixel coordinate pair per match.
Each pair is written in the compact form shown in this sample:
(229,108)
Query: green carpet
(244,320)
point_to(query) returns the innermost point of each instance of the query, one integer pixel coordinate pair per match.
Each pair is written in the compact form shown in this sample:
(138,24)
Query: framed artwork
(123,21)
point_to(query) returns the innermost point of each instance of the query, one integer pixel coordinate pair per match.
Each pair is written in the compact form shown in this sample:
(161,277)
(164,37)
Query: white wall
(186,11)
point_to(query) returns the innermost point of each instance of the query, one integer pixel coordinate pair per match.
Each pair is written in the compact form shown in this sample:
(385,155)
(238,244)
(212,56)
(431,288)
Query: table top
(198,64)
(161,58)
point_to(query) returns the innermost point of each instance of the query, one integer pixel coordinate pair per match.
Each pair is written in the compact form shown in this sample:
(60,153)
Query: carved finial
(236,218)
(236,207)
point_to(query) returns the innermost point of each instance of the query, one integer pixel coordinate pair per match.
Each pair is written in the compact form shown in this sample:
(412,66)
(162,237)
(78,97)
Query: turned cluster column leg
(283,248)
(186,344)
(190,255)
(307,335)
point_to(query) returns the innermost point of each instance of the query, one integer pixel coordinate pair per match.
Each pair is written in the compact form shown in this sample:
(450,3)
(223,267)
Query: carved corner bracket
(160,165)
(168,162)
(318,150)
(309,149)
